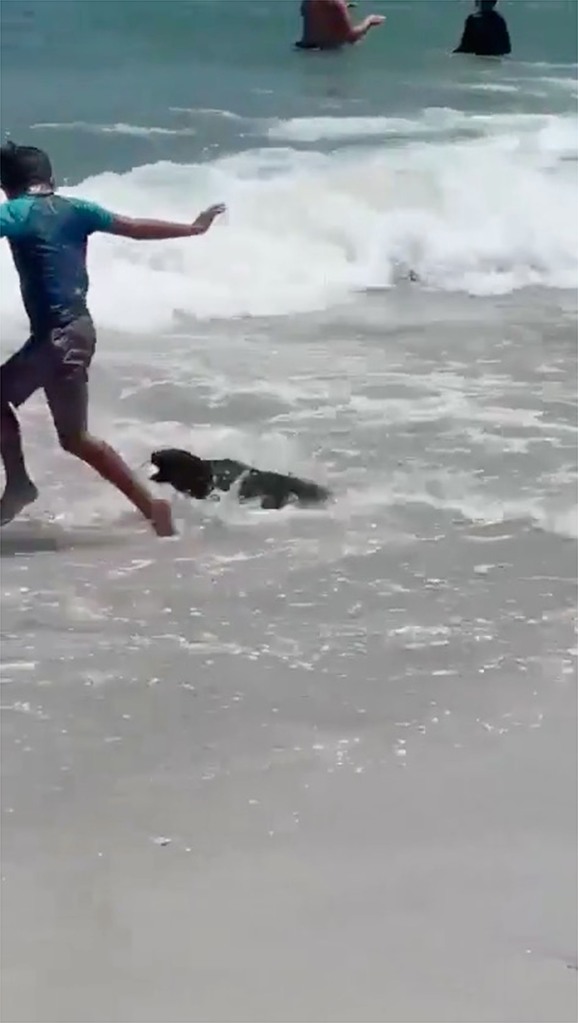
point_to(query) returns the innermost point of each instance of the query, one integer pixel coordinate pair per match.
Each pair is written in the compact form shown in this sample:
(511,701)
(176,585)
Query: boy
(48,236)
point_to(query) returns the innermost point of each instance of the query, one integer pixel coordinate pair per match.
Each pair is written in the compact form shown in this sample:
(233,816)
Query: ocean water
(302,765)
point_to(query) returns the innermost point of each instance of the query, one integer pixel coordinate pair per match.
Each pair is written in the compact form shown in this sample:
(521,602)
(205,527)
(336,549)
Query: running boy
(48,236)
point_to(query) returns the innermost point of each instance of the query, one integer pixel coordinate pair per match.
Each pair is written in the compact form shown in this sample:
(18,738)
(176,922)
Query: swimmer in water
(327,25)
(485,32)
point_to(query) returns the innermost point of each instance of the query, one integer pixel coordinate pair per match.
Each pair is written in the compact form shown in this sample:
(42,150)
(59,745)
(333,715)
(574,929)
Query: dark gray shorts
(59,364)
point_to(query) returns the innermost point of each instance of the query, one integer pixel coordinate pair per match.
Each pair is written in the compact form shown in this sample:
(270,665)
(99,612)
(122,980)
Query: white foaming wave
(491,87)
(135,130)
(431,121)
(565,84)
(315,129)
(226,115)
(562,523)
(459,496)
(308,230)
(527,85)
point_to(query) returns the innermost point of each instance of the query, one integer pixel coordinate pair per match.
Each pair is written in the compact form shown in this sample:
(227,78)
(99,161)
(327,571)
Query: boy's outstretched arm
(158,230)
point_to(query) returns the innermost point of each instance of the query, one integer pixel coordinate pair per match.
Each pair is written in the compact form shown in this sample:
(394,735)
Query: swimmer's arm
(342,21)
(160,230)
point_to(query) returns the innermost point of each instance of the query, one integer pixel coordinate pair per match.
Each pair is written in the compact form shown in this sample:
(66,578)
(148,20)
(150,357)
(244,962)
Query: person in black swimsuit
(485,32)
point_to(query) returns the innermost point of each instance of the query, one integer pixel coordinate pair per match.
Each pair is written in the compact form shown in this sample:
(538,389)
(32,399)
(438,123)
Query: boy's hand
(206,218)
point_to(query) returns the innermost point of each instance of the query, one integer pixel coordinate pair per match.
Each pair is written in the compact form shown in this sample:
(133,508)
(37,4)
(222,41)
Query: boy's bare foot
(14,499)
(161,518)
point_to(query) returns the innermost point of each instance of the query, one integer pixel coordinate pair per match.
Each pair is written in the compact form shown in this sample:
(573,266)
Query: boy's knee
(72,443)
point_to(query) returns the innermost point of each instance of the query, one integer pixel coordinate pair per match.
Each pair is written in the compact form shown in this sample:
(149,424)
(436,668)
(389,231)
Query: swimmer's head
(486,5)
(24,169)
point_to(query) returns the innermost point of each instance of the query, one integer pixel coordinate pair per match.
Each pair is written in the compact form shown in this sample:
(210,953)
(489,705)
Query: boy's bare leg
(19,489)
(108,464)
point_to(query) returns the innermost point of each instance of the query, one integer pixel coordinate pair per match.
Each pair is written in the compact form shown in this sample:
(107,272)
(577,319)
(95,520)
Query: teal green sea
(95,62)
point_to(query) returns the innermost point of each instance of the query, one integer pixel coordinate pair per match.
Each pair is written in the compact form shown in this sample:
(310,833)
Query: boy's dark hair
(22,167)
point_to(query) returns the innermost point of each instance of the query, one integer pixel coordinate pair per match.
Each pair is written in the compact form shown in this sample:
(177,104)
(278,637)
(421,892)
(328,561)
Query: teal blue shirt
(48,235)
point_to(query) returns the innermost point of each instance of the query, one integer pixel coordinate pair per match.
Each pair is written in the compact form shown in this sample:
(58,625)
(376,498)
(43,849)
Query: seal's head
(185,472)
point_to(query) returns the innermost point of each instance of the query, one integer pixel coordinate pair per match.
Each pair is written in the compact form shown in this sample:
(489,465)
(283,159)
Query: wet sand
(297,805)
